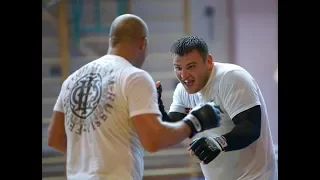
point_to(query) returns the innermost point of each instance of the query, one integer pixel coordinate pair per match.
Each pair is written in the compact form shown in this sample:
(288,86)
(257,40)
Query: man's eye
(192,66)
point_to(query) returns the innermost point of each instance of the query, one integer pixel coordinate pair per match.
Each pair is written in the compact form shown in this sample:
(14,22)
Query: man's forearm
(241,136)
(172,133)
(246,131)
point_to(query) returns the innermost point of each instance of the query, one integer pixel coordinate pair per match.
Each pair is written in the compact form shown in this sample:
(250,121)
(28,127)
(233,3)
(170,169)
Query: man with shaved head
(128,39)
(107,111)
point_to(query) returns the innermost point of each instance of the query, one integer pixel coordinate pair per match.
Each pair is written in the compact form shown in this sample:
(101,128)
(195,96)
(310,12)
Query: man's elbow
(151,143)
(58,144)
(151,149)
(255,135)
(51,142)
(52,145)
(150,146)
(55,140)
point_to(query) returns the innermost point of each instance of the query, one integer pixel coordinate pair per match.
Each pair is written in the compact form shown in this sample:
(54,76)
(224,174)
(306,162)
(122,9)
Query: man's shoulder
(135,77)
(236,79)
(131,71)
(223,68)
(229,72)
(69,78)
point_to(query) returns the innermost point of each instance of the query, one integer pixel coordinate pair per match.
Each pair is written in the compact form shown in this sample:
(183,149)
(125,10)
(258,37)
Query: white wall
(218,47)
(255,32)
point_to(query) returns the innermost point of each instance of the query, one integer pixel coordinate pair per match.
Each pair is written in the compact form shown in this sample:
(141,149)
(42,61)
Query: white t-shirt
(234,90)
(98,101)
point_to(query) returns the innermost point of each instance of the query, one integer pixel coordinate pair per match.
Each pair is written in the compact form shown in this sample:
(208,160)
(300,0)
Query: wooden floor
(175,177)
(170,164)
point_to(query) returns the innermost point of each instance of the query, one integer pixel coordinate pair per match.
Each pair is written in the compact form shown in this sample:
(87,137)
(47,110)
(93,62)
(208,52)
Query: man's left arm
(56,132)
(240,96)
(246,131)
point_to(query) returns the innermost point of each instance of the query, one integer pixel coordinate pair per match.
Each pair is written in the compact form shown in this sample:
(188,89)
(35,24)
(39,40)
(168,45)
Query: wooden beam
(129,7)
(186,17)
(63,42)
(63,38)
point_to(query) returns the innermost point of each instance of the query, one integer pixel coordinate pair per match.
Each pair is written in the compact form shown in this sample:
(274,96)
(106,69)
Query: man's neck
(119,51)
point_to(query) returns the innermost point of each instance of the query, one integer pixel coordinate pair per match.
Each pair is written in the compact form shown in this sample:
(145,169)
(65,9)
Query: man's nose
(184,74)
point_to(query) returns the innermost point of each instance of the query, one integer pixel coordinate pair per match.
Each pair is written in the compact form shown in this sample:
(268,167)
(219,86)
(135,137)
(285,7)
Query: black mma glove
(160,103)
(203,117)
(208,148)
(164,114)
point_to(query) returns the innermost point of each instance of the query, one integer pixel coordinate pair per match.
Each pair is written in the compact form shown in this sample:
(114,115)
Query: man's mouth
(188,83)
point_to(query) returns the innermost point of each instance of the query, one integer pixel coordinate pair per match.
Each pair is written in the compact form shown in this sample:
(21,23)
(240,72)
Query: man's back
(101,141)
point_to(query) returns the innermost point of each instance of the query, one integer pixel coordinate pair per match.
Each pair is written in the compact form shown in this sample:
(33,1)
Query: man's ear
(144,44)
(210,60)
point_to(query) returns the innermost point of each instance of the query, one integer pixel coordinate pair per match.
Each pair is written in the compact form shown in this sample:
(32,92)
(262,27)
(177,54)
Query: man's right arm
(154,134)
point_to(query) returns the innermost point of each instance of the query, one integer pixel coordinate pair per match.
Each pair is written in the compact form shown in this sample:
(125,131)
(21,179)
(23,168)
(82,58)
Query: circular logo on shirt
(85,95)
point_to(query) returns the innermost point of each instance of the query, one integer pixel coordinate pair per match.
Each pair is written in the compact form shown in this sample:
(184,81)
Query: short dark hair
(187,44)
